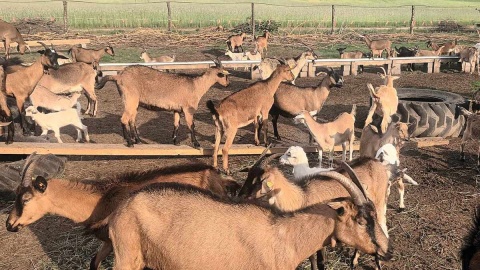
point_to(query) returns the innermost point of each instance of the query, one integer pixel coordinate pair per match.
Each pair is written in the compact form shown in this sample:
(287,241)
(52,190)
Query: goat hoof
(8,142)
(129,144)
(196,145)
(401,209)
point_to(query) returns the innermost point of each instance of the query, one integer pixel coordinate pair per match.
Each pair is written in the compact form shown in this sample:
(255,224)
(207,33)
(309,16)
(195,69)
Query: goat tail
(212,109)
(373,95)
(354,110)
(99,224)
(106,79)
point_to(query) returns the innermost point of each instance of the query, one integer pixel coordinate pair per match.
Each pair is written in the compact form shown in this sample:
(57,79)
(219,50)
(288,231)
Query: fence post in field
(169,10)
(334,20)
(253,20)
(65,17)
(412,20)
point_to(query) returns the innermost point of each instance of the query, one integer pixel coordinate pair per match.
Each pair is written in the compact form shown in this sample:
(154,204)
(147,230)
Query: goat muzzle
(11,228)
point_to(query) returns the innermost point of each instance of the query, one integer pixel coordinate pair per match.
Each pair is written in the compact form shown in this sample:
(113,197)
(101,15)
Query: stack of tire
(431,113)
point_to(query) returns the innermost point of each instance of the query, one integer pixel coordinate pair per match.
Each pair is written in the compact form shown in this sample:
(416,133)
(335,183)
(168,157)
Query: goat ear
(374,128)
(40,184)
(62,57)
(41,51)
(339,206)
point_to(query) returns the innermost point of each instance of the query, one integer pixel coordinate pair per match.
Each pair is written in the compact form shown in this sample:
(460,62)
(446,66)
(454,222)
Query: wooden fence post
(334,20)
(169,10)
(65,17)
(412,20)
(253,21)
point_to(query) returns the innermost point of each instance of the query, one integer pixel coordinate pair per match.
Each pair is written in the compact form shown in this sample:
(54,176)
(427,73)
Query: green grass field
(291,14)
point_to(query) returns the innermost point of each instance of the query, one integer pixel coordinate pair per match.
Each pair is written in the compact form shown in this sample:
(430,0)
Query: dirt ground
(427,235)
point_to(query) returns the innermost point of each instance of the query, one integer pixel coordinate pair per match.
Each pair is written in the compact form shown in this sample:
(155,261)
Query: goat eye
(221,75)
(25,201)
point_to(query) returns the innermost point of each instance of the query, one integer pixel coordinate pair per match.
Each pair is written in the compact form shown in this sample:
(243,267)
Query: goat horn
(27,170)
(258,162)
(353,176)
(43,44)
(356,194)
(269,159)
(384,72)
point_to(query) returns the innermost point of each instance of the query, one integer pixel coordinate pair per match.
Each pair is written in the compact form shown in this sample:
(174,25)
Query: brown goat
(470,55)
(327,135)
(72,78)
(89,56)
(378,46)
(90,202)
(371,140)
(436,52)
(471,132)
(289,99)
(235,42)
(165,222)
(21,83)
(10,34)
(5,113)
(287,195)
(443,49)
(261,43)
(470,252)
(249,105)
(172,92)
(385,101)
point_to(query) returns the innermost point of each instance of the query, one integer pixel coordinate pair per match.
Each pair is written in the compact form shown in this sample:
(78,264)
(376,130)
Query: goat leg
(275,127)
(355,257)
(462,151)
(265,128)
(126,135)
(401,193)
(321,258)
(313,261)
(176,124)
(134,132)
(191,126)
(257,126)
(106,249)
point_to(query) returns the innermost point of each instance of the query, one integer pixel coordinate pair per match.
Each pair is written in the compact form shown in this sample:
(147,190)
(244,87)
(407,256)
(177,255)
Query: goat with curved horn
(43,44)
(353,176)
(27,171)
(354,188)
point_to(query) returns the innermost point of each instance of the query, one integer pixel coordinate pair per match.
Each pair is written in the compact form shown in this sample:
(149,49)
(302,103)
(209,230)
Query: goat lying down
(159,226)
(90,202)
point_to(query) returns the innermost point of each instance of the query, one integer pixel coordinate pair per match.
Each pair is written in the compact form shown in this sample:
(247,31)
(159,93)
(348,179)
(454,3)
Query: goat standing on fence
(10,34)
(378,46)
(90,56)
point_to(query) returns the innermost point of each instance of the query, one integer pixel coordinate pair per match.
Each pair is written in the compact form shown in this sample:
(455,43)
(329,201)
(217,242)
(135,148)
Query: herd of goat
(156,218)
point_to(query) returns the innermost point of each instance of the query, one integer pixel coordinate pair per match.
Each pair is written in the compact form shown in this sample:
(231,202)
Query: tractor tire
(432,113)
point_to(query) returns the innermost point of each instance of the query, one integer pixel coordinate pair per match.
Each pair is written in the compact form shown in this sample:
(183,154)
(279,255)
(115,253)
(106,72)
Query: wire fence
(129,14)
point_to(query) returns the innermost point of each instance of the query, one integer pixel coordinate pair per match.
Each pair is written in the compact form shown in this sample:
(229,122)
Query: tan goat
(90,202)
(443,49)
(385,101)
(90,56)
(249,105)
(20,84)
(235,42)
(287,195)
(372,145)
(172,92)
(163,58)
(261,43)
(290,99)
(472,132)
(470,55)
(378,46)
(5,114)
(327,135)
(428,52)
(10,34)
(166,222)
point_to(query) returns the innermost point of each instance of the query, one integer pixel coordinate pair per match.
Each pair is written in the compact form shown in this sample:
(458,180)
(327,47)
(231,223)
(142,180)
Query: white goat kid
(54,121)
(388,154)
(295,156)
(237,57)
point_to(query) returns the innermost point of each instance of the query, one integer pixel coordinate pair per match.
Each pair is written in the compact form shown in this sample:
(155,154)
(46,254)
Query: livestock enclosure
(428,234)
